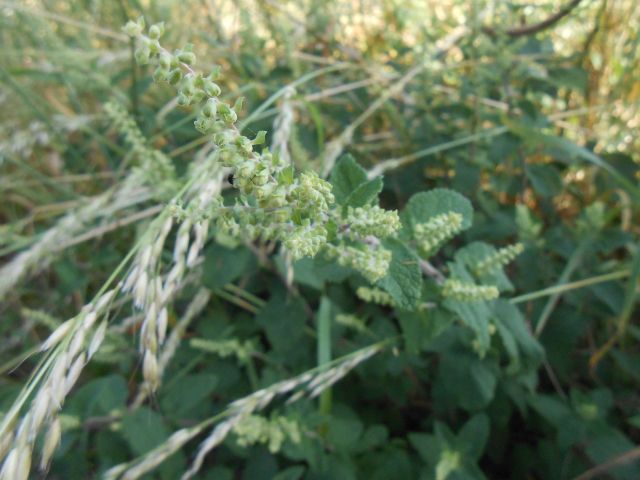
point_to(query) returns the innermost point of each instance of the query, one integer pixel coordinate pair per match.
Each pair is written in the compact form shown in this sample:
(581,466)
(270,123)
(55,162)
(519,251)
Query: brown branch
(614,462)
(431,271)
(536,27)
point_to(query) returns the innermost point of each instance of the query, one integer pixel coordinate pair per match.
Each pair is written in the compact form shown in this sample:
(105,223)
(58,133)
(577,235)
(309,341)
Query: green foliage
(403,280)
(350,185)
(470,314)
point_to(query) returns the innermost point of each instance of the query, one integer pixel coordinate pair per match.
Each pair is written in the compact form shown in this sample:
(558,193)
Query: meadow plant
(273,203)
(321,261)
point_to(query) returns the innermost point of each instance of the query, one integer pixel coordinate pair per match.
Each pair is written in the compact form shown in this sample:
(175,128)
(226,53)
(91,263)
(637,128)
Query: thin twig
(431,271)
(616,461)
(536,27)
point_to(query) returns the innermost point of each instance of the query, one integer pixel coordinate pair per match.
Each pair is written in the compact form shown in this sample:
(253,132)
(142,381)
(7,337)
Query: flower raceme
(499,259)
(468,292)
(432,234)
(273,202)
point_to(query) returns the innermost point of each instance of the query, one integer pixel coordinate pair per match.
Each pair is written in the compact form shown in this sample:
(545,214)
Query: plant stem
(324,348)
(572,264)
(607,277)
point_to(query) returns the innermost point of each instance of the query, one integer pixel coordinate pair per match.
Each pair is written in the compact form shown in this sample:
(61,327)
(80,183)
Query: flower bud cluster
(370,220)
(255,429)
(375,295)
(273,202)
(154,166)
(305,240)
(351,321)
(436,231)
(371,261)
(226,348)
(499,259)
(468,292)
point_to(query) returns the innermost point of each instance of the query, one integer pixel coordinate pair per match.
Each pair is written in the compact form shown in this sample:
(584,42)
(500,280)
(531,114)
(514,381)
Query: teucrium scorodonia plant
(338,220)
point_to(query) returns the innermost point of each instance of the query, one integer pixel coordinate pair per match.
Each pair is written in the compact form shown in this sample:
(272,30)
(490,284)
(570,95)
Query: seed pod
(57,335)
(97,339)
(156,31)
(10,465)
(51,442)
(74,372)
(163,320)
(150,369)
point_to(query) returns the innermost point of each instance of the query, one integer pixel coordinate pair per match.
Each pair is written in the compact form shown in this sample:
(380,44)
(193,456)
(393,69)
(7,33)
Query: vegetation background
(537,127)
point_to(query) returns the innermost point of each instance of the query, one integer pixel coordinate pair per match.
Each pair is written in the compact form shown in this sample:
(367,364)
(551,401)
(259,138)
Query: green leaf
(509,319)
(606,443)
(70,277)
(465,380)
(110,448)
(100,396)
(199,386)
(375,436)
(315,272)
(484,381)
(473,436)
(364,194)
(403,281)
(545,179)
(260,138)
(476,316)
(427,445)
(260,464)
(283,320)
(412,325)
(634,421)
(286,176)
(392,462)
(292,473)
(346,177)
(143,429)
(344,433)
(223,265)
(552,409)
(304,273)
(424,206)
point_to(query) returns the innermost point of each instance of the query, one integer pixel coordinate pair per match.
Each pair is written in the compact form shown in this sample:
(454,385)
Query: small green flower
(254,429)
(374,295)
(305,241)
(449,462)
(273,202)
(133,29)
(371,220)
(499,259)
(372,262)
(468,292)
(436,231)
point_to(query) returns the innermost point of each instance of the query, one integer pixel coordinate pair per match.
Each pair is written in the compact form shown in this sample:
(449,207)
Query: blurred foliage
(538,131)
